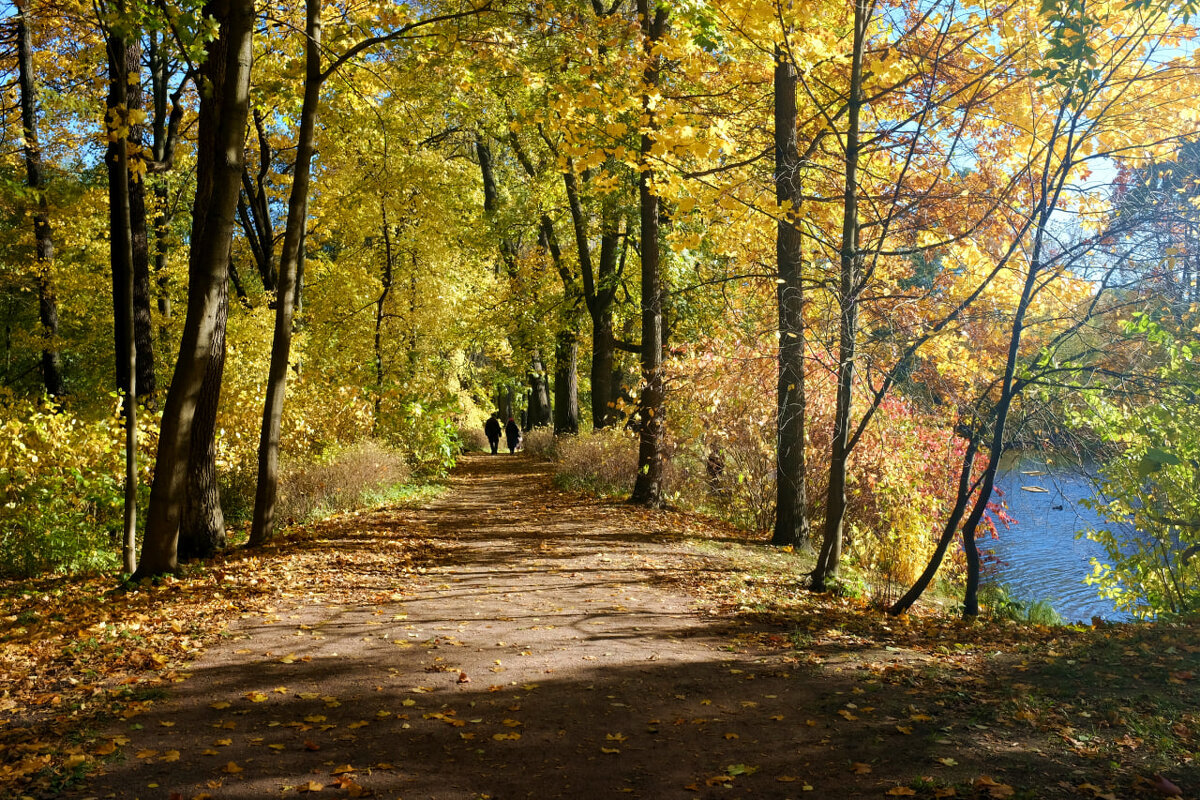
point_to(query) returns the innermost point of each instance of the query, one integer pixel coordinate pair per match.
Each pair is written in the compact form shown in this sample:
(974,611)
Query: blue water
(1039,556)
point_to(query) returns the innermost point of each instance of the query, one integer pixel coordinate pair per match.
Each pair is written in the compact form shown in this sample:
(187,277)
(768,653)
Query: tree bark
(599,291)
(647,488)
(850,268)
(380,305)
(128,241)
(566,382)
(52,373)
(539,394)
(120,209)
(289,265)
(221,136)
(202,525)
(791,505)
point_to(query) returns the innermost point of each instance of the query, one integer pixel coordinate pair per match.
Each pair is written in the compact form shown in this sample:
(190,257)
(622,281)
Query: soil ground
(550,645)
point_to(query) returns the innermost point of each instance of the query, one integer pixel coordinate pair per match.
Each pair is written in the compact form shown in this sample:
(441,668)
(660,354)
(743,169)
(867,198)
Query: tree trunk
(566,382)
(830,556)
(52,375)
(647,488)
(599,290)
(120,207)
(791,505)
(128,242)
(539,394)
(380,305)
(221,137)
(289,265)
(202,526)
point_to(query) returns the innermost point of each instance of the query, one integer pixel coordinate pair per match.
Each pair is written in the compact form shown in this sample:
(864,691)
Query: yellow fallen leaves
(231,768)
(501,737)
(256,697)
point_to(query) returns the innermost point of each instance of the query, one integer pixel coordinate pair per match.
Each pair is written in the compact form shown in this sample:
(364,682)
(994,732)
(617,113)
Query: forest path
(539,654)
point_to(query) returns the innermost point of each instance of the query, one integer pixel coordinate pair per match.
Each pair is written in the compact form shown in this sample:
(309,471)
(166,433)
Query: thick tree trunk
(289,266)
(566,382)
(221,135)
(128,242)
(829,559)
(791,506)
(648,488)
(52,374)
(202,525)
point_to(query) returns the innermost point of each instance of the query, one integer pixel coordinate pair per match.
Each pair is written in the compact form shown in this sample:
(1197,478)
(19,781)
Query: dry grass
(603,461)
(340,482)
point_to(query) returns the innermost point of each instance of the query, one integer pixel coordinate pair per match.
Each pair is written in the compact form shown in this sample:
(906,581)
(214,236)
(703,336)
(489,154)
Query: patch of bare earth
(549,651)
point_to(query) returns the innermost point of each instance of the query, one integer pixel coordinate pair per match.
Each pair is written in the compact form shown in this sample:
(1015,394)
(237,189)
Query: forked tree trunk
(221,136)
(52,374)
(648,488)
(289,266)
(791,507)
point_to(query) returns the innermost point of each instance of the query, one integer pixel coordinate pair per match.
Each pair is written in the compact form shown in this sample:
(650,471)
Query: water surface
(1039,557)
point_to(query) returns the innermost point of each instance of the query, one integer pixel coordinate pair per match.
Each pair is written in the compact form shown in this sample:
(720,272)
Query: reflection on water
(1040,558)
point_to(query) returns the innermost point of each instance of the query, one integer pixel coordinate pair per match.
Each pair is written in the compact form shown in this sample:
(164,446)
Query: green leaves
(1155,459)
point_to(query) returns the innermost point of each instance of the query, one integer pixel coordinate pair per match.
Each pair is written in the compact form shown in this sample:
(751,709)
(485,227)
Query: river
(1039,556)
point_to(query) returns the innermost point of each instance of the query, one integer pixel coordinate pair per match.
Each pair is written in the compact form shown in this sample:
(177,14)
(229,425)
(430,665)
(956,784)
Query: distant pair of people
(512,433)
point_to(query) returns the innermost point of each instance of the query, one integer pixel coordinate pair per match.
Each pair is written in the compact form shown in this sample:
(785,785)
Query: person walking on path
(512,435)
(492,429)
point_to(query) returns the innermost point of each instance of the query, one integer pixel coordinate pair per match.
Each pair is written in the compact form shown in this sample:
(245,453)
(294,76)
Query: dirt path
(539,657)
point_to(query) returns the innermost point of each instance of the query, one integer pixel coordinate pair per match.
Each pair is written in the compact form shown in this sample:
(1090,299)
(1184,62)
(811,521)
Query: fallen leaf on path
(859,768)
(993,788)
(901,791)
(231,768)
(311,786)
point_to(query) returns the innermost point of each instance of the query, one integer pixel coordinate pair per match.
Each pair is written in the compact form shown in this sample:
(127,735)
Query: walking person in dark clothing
(512,435)
(492,429)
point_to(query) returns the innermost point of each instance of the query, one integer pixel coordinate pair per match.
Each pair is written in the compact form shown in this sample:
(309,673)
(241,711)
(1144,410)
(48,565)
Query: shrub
(473,439)
(902,475)
(61,489)
(540,443)
(340,481)
(604,461)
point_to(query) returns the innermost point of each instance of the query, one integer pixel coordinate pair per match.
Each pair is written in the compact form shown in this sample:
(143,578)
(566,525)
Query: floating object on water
(1037,489)
(1033,472)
